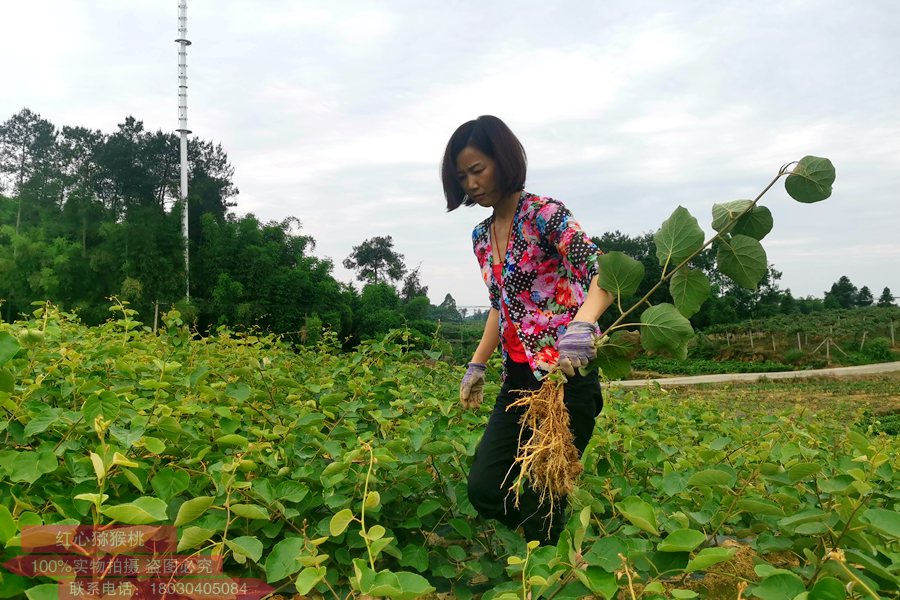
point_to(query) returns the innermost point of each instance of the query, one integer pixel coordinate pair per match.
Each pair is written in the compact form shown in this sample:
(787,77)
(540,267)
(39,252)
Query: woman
(541,272)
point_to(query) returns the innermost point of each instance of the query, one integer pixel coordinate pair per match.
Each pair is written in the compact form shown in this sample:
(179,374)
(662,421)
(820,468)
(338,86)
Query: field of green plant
(343,474)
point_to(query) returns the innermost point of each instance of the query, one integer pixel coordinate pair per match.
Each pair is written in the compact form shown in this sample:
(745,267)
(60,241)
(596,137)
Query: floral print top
(547,272)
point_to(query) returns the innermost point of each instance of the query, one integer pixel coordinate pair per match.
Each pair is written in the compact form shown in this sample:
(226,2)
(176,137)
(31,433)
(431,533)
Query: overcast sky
(337,112)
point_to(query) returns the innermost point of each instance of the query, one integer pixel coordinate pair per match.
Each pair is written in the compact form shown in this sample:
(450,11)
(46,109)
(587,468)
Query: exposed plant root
(548,460)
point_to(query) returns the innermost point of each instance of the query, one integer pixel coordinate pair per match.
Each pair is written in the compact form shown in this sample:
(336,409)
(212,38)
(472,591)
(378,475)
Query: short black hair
(491,136)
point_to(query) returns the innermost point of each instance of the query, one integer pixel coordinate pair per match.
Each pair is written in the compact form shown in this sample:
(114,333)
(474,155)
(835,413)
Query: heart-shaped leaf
(756,224)
(709,557)
(664,329)
(678,238)
(726,212)
(743,260)
(689,289)
(615,353)
(639,513)
(682,540)
(811,180)
(620,274)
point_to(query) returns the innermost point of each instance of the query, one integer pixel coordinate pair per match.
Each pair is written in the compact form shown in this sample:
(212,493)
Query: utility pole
(183,43)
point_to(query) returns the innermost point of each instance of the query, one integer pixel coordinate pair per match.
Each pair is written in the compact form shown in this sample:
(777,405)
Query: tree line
(87,215)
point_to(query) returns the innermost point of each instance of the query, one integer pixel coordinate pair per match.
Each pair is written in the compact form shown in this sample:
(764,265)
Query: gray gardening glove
(576,346)
(471,390)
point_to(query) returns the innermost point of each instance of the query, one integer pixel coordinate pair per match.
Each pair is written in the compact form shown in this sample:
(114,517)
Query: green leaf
(883,520)
(42,421)
(142,511)
(615,354)
(29,466)
(340,521)
(682,540)
(191,537)
(414,556)
(781,586)
(709,557)
(743,259)
(872,565)
(599,581)
(7,525)
(605,553)
(168,483)
(619,274)
(811,180)
(462,527)
(639,513)
(756,224)
(250,511)
(683,594)
(427,507)
(803,470)
(308,578)
(105,404)
(44,591)
(232,440)
(723,213)
(9,346)
(7,381)
(690,289)
(412,585)
(760,506)
(92,498)
(376,532)
(709,477)
(192,509)
(828,588)
(239,391)
(373,501)
(246,545)
(665,330)
(152,444)
(384,583)
(678,238)
(282,560)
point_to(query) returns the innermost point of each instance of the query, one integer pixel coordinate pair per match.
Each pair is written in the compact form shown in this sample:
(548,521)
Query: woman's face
(475,173)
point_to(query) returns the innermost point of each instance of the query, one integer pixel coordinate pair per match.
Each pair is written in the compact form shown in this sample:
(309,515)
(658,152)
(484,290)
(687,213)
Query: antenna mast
(183,43)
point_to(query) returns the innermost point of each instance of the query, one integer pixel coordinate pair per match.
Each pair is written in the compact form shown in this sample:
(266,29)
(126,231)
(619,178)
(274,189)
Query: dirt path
(727,377)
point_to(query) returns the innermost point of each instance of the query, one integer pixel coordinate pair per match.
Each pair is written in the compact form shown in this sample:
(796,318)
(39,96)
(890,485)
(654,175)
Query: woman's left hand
(576,346)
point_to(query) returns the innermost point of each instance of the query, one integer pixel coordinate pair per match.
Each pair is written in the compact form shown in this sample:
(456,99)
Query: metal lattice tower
(183,43)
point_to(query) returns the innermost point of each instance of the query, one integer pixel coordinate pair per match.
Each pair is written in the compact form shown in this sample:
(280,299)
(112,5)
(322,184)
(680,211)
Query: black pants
(488,479)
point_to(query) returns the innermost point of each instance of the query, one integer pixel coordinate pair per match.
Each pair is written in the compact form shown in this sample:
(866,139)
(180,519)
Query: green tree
(376,261)
(446,310)
(378,311)
(842,294)
(28,155)
(412,286)
(789,304)
(886,299)
(864,297)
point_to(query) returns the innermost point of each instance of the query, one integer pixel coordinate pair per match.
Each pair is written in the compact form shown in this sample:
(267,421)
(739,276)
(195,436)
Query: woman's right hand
(471,390)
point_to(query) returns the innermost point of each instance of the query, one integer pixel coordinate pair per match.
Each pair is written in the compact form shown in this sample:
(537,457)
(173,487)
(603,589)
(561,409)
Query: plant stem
(668,275)
(858,581)
(362,516)
(734,502)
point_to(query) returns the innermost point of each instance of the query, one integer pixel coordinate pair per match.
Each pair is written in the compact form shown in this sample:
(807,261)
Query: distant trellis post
(799,347)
